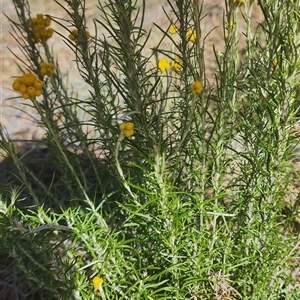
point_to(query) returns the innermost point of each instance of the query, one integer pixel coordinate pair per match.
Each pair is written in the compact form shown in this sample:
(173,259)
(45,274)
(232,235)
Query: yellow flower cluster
(197,87)
(173,29)
(97,282)
(73,36)
(163,64)
(28,85)
(127,129)
(229,28)
(191,36)
(47,69)
(177,64)
(40,31)
(239,2)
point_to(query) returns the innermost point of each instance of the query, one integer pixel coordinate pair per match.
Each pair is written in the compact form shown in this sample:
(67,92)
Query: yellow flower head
(48,33)
(163,64)
(127,129)
(197,87)
(23,88)
(74,36)
(38,93)
(17,83)
(230,26)
(38,84)
(47,21)
(28,79)
(31,91)
(97,282)
(274,62)
(177,65)
(191,36)
(173,29)
(25,96)
(40,18)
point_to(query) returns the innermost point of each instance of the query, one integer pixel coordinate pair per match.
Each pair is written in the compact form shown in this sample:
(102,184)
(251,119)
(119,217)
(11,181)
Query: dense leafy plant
(164,183)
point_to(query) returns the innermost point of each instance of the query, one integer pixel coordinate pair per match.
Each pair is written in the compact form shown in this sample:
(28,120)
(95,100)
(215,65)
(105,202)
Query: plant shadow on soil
(55,190)
(54,185)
